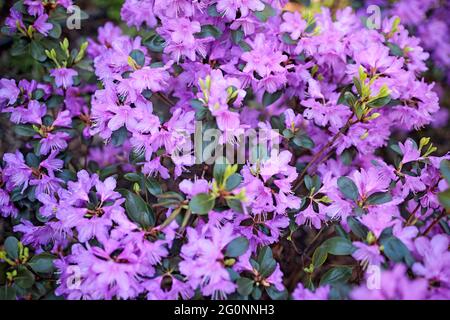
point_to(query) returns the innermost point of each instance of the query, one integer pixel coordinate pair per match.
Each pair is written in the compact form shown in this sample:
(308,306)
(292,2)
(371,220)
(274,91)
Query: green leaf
(379,102)
(138,210)
(42,263)
(237,36)
(202,203)
(287,39)
(339,246)
(245,46)
(256,294)
(336,275)
(219,170)
(394,49)
(302,140)
(37,51)
(267,263)
(237,247)
(379,198)
(444,198)
(312,182)
(349,99)
(209,30)
(319,257)
(56,30)
(348,188)
(444,167)
(245,286)
(153,186)
(235,204)
(270,98)
(11,246)
(32,160)
(274,294)
(233,181)
(24,130)
(24,278)
(133,177)
(155,43)
(266,13)
(357,228)
(138,56)
(212,11)
(396,251)
(118,137)
(7,293)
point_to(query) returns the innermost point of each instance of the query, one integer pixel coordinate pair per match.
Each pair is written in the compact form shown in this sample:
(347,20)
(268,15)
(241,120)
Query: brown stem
(413,215)
(165,99)
(443,214)
(321,151)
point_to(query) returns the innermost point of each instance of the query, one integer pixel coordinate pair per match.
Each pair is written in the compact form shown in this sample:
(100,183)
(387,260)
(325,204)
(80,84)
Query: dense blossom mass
(106,194)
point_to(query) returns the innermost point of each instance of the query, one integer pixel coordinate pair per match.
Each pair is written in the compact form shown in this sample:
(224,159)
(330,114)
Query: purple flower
(230,7)
(394,285)
(41,24)
(293,24)
(435,264)
(63,77)
(8,91)
(301,293)
(16,173)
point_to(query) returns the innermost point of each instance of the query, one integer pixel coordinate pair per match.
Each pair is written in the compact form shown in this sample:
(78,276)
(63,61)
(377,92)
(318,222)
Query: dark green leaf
(24,130)
(396,251)
(379,198)
(233,181)
(138,210)
(237,36)
(445,170)
(153,186)
(302,140)
(37,51)
(202,203)
(237,247)
(395,50)
(357,228)
(274,294)
(245,286)
(319,256)
(118,137)
(155,43)
(209,30)
(235,204)
(339,246)
(266,13)
(133,177)
(212,11)
(348,188)
(270,98)
(379,102)
(42,263)
(444,198)
(267,263)
(336,275)
(7,293)
(287,39)
(11,246)
(24,278)
(56,30)
(138,56)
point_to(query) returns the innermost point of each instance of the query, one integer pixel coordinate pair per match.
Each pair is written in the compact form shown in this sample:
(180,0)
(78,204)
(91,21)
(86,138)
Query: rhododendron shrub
(104,194)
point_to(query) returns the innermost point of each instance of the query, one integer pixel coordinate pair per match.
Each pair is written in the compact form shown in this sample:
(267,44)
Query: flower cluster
(341,198)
